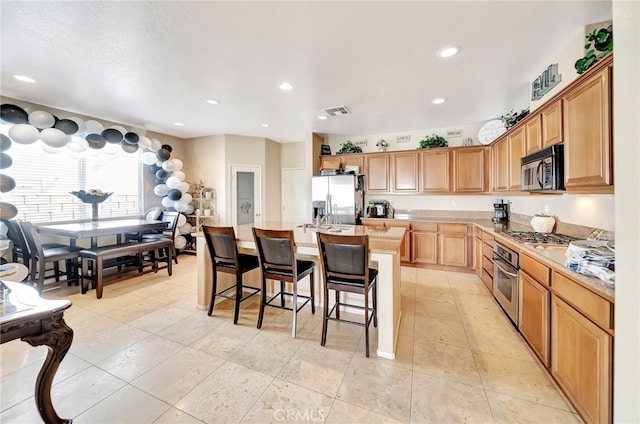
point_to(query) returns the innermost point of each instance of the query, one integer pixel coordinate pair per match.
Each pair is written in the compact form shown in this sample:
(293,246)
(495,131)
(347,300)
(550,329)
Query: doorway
(246,195)
(294,195)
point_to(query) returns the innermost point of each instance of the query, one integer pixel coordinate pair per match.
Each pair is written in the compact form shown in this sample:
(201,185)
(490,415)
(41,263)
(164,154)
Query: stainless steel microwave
(543,170)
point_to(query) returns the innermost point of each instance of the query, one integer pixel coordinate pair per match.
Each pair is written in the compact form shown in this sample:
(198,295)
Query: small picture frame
(326,150)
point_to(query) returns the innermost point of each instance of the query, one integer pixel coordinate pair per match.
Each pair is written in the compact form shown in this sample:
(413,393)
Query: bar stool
(345,268)
(225,258)
(276,253)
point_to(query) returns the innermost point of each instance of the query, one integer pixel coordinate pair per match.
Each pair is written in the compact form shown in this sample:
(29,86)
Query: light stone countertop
(552,256)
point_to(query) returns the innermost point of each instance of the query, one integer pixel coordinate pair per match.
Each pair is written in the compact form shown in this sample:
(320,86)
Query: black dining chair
(225,258)
(171,218)
(345,268)
(41,255)
(276,252)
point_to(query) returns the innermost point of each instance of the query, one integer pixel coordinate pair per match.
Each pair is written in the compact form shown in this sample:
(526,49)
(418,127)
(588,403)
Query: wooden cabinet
(344,160)
(501,165)
(588,134)
(405,171)
(516,151)
(435,171)
(551,124)
(469,169)
(581,361)
(477,256)
(377,172)
(453,250)
(405,247)
(424,246)
(534,315)
(533,134)
(506,160)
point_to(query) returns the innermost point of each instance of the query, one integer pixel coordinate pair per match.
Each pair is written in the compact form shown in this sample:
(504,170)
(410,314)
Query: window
(44,180)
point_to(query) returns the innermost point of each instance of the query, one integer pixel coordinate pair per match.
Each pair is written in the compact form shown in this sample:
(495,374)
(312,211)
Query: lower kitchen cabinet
(535,301)
(453,250)
(477,256)
(424,247)
(405,248)
(581,361)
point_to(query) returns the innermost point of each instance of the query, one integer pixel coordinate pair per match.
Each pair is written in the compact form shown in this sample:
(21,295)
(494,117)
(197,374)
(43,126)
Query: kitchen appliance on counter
(543,170)
(339,196)
(546,239)
(505,279)
(500,211)
(378,209)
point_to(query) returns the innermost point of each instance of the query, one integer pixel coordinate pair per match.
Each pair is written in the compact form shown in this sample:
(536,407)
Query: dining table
(94,229)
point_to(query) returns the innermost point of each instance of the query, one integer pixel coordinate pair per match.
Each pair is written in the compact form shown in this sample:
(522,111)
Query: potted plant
(512,118)
(542,223)
(349,147)
(600,40)
(432,141)
(382,145)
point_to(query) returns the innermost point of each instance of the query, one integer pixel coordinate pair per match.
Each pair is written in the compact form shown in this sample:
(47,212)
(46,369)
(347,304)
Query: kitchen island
(384,245)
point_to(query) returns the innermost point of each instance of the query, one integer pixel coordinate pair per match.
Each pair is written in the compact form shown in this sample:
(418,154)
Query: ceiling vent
(336,111)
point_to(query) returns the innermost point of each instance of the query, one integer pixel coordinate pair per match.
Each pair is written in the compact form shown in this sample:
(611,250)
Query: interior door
(294,194)
(246,195)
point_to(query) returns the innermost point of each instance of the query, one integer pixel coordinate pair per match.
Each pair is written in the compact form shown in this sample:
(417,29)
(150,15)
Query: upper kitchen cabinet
(377,170)
(470,174)
(588,132)
(551,124)
(435,175)
(344,160)
(405,168)
(501,163)
(533,134)
(516,142)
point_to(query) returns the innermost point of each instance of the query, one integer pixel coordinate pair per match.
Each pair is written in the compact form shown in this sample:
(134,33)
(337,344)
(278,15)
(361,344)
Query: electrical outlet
(403,138)
(546,209)
(512,205)
(454,203)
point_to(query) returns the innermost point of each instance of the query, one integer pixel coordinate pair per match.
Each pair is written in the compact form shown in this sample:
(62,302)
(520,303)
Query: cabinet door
(377,173)
(469,170)
(453,250)
(501,163)
(405,172)
(405,248)
(534,316)
(477,254)
(425,247)
(552,124)
(533,135)
(587,134)
(353,160)
(581,361)
(435,171)
(516,151)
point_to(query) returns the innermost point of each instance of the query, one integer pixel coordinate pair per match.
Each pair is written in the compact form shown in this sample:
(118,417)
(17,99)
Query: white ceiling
(154,63)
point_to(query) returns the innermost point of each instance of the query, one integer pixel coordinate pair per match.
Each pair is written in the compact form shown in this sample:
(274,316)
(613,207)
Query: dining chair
(276,253)
(345,268)
(42,254)
(171,218)
(225,258)
(20,251)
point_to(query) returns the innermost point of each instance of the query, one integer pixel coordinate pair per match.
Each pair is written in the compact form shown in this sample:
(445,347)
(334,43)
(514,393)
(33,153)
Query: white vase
(382,148)
(543,224)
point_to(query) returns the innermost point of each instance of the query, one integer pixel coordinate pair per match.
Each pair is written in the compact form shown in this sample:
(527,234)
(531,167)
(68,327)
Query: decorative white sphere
(24,133)
(173,182)
(41,119)
(161,190)
(53,137)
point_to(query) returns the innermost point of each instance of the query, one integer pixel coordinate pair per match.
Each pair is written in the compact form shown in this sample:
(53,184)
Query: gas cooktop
(531,237)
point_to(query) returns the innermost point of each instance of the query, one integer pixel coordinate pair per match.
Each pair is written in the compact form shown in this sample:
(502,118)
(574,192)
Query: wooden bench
(102,253)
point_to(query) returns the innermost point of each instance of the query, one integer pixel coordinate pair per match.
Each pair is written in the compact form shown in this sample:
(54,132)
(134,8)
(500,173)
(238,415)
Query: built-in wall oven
(505,279)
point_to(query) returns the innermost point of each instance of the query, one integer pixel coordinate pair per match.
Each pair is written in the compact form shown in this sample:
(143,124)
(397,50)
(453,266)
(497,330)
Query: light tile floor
(144,354)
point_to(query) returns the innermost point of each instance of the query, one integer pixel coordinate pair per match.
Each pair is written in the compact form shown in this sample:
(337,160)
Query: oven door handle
(497,262)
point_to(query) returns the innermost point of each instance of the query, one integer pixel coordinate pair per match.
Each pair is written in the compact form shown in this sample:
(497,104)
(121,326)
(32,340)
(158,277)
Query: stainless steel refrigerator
(340,196)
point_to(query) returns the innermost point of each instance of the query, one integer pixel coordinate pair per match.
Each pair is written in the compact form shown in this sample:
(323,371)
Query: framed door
(246,195)
(294,195)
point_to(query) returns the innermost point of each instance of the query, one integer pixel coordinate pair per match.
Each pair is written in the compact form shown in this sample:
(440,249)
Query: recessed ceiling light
(213,101)
(24,78)
(285,86)
(438,100)
(178,124)
(323,117)
(448,51)
(265,125)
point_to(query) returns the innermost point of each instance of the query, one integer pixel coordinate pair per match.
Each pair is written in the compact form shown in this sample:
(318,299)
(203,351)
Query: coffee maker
(500,211)
(378,209)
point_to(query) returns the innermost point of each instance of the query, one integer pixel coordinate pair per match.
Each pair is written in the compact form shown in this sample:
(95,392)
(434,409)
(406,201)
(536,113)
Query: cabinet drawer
(487,238)
(423,226)
(487,250)
(487,265)
(535,269)
(487,280)
(599,310)
(453,228)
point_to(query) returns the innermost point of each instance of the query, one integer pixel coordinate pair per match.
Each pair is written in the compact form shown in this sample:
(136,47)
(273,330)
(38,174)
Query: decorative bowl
(91,196)
(543,224)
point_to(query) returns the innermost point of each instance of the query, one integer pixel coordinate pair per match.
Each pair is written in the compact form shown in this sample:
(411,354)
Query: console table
(27,316)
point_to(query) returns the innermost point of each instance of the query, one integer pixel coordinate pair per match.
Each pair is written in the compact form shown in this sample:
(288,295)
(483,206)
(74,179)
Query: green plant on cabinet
(432,141)
(600,41)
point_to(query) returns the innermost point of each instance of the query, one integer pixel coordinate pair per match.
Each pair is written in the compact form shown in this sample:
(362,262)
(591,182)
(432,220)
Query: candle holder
(92,197)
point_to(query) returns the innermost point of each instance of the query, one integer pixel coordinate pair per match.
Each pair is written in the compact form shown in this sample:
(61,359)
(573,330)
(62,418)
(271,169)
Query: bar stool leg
(263,301)
(325,316)
(236,312)
(214,290)
(313,300)
(294,306)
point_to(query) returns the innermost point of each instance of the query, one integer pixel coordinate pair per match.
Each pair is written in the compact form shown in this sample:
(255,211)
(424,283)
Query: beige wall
(626,24)
(272,202)
(292,155)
